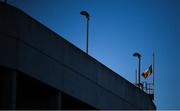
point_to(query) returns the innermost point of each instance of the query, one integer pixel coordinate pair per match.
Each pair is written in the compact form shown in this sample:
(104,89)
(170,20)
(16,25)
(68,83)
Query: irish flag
(147,72)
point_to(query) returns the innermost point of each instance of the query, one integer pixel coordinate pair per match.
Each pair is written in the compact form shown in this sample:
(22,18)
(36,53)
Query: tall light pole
(136,54)
(86,14)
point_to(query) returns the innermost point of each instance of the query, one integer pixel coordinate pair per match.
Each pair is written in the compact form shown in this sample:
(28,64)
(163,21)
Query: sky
(118,28)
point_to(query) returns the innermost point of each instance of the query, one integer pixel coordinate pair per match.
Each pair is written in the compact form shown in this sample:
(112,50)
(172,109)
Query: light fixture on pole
(86,14)
(136,54)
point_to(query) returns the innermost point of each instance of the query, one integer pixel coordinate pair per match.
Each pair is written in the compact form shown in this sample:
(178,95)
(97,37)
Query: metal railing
(146,87)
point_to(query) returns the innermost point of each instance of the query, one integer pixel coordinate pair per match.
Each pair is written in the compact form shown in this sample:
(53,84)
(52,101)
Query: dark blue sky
(118,28)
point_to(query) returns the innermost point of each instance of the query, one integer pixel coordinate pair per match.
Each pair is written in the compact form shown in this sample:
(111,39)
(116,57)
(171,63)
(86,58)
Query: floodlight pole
(86,14)
(135,76)
(87,35)
(136,54)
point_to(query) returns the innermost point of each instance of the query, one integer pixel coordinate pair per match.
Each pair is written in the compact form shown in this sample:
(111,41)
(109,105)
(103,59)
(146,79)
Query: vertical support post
(8,89)
(136,54)
(59,101)
(86,14)
(14,89)
(149,88)
(146,88)
(136,77)
(139,71)
(87,36)
(153,72)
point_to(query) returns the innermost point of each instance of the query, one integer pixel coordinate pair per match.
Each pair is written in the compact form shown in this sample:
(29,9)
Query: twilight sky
(118,28)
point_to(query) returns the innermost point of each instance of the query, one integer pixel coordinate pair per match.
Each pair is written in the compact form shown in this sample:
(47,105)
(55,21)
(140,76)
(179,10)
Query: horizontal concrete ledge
(32,48)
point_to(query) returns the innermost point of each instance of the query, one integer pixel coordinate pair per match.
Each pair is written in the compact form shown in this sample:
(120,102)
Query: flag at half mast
(147,72)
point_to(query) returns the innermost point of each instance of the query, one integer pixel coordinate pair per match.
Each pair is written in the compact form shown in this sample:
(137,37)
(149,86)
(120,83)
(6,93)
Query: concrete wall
(30,47)
(19,91)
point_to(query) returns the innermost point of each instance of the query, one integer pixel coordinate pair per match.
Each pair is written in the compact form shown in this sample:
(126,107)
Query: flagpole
(153,71)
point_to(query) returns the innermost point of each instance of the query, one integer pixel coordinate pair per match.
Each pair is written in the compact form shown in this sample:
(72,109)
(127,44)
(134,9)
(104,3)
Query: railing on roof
(146,87)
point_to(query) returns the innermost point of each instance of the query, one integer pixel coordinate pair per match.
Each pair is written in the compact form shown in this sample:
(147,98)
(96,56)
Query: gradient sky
(118,28)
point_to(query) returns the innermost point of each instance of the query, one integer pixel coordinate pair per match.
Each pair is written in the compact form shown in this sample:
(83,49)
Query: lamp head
(85,13)
(136,54)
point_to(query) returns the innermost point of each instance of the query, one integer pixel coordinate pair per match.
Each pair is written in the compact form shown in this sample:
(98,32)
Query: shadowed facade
(41,70)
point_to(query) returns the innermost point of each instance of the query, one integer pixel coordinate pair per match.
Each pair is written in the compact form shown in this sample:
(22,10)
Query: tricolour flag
(147,72)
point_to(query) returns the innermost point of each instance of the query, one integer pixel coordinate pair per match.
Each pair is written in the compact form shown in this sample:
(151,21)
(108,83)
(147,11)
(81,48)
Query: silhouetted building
(41,70)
